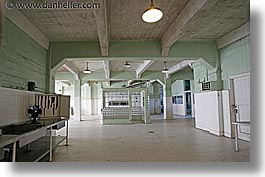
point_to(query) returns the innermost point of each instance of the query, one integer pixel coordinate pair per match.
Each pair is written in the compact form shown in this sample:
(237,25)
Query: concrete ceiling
(126,18)
(95,66)
(115,65)
(159,65)
(118,65)
(213,20)
(183,20)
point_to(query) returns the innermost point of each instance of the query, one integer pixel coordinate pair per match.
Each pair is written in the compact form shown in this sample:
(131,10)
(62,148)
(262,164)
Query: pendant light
(152,14)
(165,70)
(87,71)
(127,65)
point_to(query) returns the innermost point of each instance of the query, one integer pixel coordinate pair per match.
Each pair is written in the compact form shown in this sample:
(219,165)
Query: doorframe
(232,98)
(185,102)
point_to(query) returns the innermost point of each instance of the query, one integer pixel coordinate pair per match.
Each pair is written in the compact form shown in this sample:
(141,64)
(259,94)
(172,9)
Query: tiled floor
(161,141)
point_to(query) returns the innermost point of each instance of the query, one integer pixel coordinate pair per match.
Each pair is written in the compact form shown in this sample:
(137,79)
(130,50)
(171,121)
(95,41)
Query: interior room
(125,81)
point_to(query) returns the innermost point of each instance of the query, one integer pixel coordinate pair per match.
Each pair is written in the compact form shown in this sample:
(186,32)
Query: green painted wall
(65,76)
(22,59)
(61,50)
(185,74)
(95,90)
(235,59)
(204,71)
(155,90)
(206,50)
(177,87)
(192,86)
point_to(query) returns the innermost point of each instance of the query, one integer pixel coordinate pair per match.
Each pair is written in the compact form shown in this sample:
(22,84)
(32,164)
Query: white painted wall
(226,114)
(208,115)
(69,90)
(13,104)
(179,109)
(168,109)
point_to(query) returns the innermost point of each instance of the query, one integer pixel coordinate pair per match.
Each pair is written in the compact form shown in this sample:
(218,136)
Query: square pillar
(51,86)
(77,100)
(168,106)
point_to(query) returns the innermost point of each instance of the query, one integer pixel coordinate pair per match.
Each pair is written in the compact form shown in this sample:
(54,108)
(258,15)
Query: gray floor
(161,141)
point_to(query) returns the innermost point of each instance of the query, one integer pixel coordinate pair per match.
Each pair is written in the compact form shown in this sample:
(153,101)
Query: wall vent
(206,86)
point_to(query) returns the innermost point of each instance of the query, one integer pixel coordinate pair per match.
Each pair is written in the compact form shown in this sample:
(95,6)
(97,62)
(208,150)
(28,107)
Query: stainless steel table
(237,124)
(48,124)
(9,139)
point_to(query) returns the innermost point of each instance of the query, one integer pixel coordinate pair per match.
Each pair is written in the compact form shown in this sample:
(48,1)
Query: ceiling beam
(106,68)
(25,25)
(102,26)
(72,69)
(130,82)
(233,36)
(183,64)
(172,34)
(66,83)
(143,67)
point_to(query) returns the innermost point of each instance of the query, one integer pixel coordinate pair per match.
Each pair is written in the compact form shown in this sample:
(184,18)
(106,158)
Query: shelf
(38,149)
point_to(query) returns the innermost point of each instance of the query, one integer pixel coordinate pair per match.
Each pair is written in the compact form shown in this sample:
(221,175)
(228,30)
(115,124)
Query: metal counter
(31,136)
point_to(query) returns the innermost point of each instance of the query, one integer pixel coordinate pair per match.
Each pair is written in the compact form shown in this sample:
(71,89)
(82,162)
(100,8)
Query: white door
(242,103)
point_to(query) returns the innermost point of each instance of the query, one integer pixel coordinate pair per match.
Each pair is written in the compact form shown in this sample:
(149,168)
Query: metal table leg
(67,127)
(14,152)
(236,137)
(50,145)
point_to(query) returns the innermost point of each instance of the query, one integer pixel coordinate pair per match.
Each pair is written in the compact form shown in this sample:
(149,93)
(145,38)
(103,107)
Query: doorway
(240,88)
(188,104)
(188,98)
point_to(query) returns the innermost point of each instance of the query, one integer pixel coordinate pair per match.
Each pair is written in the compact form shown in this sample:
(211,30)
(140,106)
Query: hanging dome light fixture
(165,70)
(127,65)
(152,14)
(87,71)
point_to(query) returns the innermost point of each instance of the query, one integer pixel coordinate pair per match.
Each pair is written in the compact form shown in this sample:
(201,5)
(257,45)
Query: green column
(168,107)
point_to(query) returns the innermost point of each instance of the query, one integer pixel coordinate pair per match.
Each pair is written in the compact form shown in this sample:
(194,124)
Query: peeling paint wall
(22,59)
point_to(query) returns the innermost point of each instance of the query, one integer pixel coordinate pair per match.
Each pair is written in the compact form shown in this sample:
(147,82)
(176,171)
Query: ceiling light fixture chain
(165,70)
(152,3)
(87,71)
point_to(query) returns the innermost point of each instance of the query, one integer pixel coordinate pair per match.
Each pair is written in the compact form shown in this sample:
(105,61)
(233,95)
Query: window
(186,85)
(116,99)
(177,99)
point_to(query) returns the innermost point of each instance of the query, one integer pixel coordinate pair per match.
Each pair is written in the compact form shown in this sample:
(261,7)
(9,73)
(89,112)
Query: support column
(77,100)
(51,86)
(168,107)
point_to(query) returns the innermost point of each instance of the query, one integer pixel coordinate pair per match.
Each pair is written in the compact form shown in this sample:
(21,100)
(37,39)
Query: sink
(19,129)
